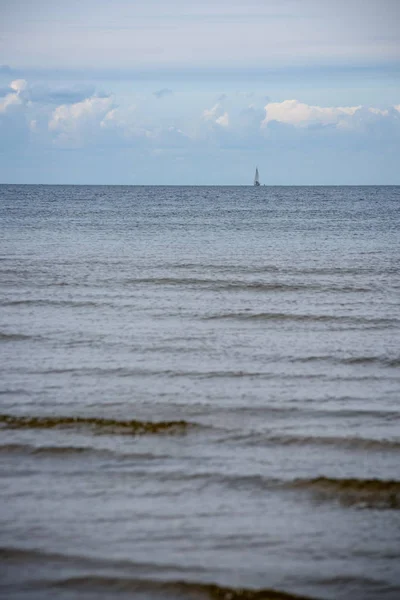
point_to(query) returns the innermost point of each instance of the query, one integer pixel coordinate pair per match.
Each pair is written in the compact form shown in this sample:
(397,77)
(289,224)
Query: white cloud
(110,117)
(69,117)
(125,124)
(297,113)
(75,123)
(379,111)
(19,85)
(118,118)
(9,100)
(13,98)
(230,122)
(223,120)
(209,114)
(216,114)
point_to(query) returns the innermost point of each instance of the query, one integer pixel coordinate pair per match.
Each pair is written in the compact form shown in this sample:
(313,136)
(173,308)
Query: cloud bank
(83,118)
(32,121)
(297,113)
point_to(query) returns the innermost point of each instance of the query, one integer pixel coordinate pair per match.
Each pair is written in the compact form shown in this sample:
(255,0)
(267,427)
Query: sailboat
(256,178)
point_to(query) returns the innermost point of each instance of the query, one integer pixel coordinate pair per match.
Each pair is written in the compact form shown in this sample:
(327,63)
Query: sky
(179,92)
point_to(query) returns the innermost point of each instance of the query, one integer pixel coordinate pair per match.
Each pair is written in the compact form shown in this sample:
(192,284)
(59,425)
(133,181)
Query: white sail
(256,178)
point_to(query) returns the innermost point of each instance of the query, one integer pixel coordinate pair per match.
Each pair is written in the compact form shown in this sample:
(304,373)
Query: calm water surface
(199,392)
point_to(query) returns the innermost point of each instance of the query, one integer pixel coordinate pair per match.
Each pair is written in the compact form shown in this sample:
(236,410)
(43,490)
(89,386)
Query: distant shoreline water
(200,185)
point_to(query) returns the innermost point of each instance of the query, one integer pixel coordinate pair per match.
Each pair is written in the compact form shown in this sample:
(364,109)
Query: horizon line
(207,184)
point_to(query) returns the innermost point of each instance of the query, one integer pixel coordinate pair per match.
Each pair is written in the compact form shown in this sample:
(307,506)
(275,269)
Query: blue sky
(180,92)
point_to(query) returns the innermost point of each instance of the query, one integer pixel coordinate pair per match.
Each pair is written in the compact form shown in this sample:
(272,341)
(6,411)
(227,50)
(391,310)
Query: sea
(199,393)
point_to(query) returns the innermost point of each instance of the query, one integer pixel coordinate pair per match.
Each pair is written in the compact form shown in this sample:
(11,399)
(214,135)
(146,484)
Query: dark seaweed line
(348,492)
(138,427)
(180,587)
(101,424)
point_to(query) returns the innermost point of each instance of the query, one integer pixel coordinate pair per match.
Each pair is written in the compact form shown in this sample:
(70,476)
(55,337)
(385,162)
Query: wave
(324,413)
(240,268)
(365,493)
(349,492)
(29,449)
(49,302)
(179,589)
(38,555)
(13,337)
(240,285)
(61,451)
(51,450)
(101,425)
(356,443)
(352,360)
(368,493)
(117,583)
(19,392)
(341,442)
(272,316)
(361,360)
(223,267)
(128,372)
(358,270)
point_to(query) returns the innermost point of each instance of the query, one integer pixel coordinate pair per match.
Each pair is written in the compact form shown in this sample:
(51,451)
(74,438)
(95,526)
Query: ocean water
(199,392)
